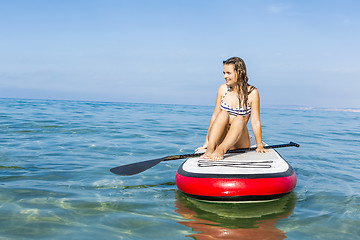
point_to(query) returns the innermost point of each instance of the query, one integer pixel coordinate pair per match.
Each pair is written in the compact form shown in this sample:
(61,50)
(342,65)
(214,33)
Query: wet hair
(242,80)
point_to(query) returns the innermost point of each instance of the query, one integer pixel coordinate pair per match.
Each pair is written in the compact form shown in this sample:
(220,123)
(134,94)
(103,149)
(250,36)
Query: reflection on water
(234,220)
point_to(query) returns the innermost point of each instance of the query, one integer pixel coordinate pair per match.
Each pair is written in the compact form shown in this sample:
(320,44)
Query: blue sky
(302,53)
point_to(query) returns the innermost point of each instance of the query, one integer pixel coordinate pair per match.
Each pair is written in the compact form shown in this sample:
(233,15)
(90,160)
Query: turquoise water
(55,158)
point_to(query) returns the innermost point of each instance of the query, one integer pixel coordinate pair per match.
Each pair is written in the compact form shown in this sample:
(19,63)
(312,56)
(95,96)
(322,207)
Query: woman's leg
(217,132)
(237,136)
(244,141)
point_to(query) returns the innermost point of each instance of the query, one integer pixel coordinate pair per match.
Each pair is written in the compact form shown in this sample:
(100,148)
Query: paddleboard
(248,176)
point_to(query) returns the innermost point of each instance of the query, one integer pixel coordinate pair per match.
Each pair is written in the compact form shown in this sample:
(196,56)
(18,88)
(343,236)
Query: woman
(236,101)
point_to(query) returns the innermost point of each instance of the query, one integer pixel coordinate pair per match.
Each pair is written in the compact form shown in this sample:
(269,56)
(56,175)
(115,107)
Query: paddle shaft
(241,150)
(135,168)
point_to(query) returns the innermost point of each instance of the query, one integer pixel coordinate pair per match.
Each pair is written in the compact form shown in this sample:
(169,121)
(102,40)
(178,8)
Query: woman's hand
(261,149)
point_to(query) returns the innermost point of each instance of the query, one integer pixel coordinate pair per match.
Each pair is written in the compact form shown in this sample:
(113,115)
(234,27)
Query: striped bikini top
(235,111)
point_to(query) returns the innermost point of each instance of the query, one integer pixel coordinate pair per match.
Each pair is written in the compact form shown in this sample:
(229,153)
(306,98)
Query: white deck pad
(239,163)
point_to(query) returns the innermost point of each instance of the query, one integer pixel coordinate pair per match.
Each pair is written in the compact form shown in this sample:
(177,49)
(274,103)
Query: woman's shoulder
(253,93)
(221,91)
(222,88)
(251,88)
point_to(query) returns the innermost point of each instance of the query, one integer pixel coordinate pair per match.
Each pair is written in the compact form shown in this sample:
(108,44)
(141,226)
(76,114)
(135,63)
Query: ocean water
(55,182)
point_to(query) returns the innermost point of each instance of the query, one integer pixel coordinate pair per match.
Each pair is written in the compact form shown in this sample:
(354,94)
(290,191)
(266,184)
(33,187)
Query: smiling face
(230,75)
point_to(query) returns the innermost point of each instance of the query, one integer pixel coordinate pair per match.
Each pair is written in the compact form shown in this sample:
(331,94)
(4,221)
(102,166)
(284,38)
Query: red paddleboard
(248,176)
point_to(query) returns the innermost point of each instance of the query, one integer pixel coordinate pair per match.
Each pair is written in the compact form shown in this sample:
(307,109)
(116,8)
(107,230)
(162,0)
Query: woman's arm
(255,119)
(217,109)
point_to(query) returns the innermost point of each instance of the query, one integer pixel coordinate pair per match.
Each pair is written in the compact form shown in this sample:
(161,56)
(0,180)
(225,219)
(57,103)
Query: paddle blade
(135,168)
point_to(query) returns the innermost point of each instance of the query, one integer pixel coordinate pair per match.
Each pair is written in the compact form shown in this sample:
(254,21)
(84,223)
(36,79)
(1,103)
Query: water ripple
(55,181)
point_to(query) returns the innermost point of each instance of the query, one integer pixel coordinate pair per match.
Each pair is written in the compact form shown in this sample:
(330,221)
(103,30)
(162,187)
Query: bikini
(235,111)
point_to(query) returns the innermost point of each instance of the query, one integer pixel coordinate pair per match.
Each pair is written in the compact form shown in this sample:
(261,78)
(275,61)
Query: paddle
(135,168)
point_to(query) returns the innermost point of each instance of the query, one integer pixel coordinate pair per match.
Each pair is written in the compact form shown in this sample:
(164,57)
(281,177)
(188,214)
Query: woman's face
(230,75)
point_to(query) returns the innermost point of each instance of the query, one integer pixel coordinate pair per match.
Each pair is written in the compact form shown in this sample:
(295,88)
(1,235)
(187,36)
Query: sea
(55,182)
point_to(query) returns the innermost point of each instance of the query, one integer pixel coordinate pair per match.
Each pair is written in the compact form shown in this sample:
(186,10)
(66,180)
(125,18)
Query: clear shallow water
(55,182)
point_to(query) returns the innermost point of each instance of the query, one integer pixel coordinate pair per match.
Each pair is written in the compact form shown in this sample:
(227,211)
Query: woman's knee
(238,120)
(224,115)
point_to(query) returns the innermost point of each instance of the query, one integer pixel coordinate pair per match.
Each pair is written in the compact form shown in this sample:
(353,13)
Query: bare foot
(207,154)
(200,150)
(218,154)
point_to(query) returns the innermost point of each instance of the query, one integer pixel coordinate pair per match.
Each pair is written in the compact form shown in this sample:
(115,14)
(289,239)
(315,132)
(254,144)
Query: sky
(298,53)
